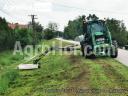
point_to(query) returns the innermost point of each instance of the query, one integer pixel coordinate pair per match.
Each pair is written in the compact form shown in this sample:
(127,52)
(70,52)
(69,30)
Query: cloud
(61,11)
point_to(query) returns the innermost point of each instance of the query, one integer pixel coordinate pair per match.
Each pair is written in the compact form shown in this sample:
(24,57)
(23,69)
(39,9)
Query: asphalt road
(69,41)
(122,54)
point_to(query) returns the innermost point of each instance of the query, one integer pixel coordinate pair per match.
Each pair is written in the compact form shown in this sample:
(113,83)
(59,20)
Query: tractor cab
(98,31)
(98,38)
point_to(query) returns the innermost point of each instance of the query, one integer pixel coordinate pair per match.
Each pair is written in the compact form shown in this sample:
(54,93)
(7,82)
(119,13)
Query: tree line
(116,27)
(9,36)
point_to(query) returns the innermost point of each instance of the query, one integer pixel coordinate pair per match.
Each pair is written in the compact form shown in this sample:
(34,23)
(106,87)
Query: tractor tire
(115,49)
(87,51)
(82,50)
(115,53)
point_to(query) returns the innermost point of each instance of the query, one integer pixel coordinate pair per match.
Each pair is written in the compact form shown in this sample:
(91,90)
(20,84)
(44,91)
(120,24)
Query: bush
(48,34)
(6,35)
(24,36)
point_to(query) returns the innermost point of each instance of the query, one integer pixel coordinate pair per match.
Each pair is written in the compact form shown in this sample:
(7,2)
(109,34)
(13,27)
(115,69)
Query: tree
(9,36)
(74,28)
(24,36)
(51,31)
(53,26)
(127,38)
(118,31)
(48,34)
(38,31)
(6,35)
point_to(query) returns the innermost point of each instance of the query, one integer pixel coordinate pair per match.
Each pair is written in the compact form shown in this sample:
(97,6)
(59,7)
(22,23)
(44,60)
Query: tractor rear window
(97,27)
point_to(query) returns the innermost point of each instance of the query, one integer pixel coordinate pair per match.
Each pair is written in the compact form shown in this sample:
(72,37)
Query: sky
(61,11)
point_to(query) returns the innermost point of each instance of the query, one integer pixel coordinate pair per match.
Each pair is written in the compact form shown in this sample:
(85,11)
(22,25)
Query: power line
(6,13)
(71,7)
(89,10)
(10,3)
(85,9)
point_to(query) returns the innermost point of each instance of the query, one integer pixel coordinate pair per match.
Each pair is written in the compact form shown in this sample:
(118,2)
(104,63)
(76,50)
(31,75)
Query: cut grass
(7,59)
(53,74)
(8,62)
(101,77)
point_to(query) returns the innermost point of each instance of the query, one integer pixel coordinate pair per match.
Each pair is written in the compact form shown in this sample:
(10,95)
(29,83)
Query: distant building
(14,25)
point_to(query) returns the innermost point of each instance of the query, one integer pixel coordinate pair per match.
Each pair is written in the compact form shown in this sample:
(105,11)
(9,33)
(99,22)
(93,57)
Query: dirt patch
(81,81)
(74,59)
(99,61)
(81,77)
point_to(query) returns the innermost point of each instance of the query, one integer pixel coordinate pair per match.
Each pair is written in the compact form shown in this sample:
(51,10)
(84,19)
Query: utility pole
(58,34)
(33,28)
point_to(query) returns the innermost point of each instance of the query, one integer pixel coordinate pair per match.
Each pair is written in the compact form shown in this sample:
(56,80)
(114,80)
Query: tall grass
(8,74)
(7,58)
(7,78)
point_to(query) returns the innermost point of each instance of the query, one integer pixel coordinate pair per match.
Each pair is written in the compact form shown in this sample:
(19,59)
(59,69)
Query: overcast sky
(61,11)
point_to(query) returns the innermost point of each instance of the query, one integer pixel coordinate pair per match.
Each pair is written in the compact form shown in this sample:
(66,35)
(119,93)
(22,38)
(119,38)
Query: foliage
(53,26)
(24,36)
(6,35)
(7,78)
(38,29)
(51,31)
(9,36)
(74,28)
(48,34)
(118,31)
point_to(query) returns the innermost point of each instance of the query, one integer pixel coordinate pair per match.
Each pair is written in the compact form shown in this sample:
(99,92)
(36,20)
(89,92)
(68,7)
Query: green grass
(48,76)
(100,74)
(8,63)
(7,79)
(62,71)
(8,59)
(56,42)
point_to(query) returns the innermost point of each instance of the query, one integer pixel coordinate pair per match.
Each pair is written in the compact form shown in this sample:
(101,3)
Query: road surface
(122,54)
(69,41)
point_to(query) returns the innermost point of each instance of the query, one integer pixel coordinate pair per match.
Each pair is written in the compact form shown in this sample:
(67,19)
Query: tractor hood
(98,33)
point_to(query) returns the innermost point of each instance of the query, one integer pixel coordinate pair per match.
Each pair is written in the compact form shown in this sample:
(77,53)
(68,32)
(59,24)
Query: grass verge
(59,72)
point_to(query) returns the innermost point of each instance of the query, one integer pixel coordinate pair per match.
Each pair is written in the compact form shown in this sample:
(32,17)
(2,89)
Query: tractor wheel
(87,51)
(82,50)
(114,53)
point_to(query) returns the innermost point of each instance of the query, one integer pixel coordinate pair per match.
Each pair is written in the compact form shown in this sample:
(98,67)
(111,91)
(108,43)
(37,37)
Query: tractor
(97,40)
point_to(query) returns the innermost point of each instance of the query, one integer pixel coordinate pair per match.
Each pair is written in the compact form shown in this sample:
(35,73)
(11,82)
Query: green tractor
(97,39)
